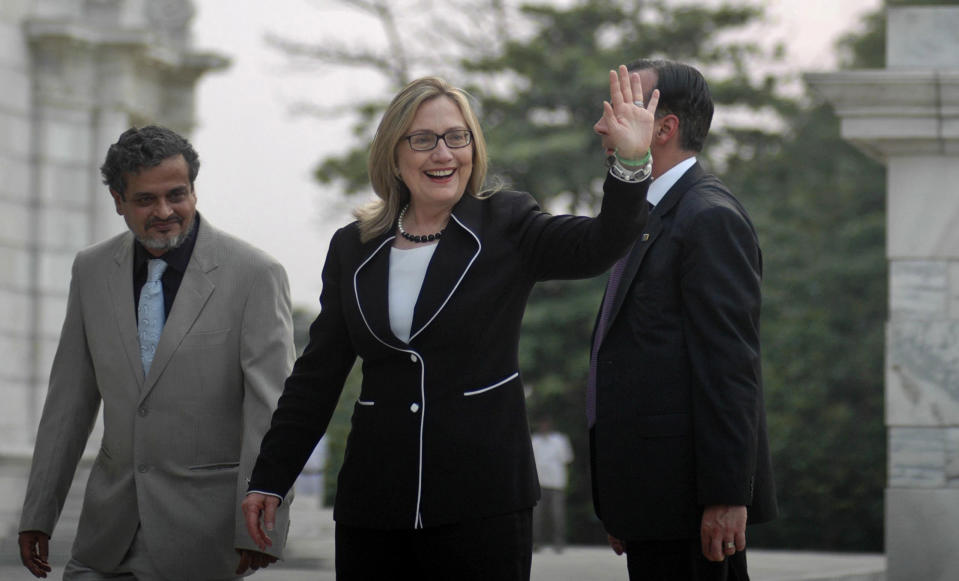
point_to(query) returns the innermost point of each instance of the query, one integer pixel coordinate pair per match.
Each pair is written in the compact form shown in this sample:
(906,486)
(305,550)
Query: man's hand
(619,547)
(254,506)
(34,551)
(253,560)
(723,531)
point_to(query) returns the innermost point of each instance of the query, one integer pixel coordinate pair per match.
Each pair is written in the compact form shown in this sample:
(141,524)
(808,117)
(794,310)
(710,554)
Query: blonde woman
(428,288)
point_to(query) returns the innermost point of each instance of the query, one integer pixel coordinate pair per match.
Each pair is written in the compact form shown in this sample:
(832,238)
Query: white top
(658,188)
(407,271)
(552,452)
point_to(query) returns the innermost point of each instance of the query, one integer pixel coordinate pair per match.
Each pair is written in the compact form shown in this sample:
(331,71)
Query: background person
(553,453)
(311,481)
(184,334)
(428,287)
(680,459)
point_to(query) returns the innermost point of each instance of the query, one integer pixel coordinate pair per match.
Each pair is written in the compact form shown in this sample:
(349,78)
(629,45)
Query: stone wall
(17,269)
(75,74)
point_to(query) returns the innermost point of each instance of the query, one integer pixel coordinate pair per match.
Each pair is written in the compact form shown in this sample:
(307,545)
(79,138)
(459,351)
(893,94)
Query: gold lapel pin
(645,236)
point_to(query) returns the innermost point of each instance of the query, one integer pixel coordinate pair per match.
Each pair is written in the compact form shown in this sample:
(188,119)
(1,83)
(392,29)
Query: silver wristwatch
(629,175)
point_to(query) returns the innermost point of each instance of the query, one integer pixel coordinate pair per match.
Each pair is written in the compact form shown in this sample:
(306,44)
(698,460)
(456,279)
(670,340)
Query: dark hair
(147,147)
(683,92)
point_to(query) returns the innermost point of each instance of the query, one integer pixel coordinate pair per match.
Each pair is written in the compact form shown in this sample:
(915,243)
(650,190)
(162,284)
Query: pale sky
(257,156)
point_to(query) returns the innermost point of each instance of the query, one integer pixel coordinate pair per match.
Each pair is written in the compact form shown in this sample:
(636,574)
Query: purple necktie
(615,276)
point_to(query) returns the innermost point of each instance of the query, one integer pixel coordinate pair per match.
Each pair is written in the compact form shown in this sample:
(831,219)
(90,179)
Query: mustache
(167,221)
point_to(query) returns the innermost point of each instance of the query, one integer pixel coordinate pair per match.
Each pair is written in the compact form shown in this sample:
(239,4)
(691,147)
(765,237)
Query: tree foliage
(537,73)
(539,131)
(819,206)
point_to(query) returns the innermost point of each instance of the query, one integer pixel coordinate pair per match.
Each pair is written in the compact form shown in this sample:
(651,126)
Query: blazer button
(413,357)
(143,468)
(414,407)
(142,412)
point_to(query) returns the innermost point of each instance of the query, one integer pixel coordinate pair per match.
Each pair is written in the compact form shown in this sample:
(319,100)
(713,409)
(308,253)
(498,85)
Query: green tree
(539,143)
(818,205)
(538,131)
(539,94)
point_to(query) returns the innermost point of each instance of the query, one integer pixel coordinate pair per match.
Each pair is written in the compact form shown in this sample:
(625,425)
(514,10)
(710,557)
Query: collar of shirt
(177,259)
(659,187)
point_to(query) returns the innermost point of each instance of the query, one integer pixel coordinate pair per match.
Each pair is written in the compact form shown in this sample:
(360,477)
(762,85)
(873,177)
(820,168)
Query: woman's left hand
(628,124)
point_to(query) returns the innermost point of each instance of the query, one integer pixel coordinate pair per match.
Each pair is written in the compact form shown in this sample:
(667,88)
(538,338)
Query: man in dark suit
(680,459)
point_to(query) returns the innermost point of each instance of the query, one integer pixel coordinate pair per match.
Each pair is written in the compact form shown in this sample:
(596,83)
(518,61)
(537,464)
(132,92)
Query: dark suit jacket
(680,418)
(439,432)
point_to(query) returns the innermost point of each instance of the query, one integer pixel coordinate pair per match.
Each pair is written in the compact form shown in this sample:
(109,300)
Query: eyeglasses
(426,141)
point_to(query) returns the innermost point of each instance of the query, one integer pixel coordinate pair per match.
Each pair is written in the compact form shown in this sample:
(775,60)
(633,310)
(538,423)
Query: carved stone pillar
(907,116)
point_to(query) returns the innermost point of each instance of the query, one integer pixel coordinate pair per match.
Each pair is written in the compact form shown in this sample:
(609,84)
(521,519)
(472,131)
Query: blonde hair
(378,216)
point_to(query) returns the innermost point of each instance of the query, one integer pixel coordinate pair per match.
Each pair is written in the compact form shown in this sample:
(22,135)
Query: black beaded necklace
(417,238)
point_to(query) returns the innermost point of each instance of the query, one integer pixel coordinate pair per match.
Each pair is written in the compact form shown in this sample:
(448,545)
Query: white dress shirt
(407,271)
(661,185)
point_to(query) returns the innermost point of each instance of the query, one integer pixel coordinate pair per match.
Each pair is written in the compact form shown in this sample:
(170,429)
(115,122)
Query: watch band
(629,175)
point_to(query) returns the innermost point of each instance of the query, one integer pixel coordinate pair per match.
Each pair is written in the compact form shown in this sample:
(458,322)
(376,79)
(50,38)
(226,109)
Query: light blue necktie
(150,313)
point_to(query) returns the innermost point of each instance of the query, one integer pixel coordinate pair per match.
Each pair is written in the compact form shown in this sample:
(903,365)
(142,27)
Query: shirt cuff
(273,494)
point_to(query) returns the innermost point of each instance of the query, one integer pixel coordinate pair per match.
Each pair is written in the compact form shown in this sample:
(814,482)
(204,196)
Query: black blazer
(680,418)
(439,432)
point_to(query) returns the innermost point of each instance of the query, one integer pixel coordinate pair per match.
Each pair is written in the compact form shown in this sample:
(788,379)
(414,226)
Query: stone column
(80,73)
(15,216)
(907,116)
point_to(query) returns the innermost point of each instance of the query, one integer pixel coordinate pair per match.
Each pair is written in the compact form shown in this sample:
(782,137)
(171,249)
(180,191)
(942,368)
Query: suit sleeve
(564,247)
(69,413)
(266,355)
(311,392)
(720,284)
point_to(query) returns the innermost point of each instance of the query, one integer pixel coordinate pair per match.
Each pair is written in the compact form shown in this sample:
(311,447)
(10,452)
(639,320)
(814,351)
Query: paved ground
(310,558)
(597,564)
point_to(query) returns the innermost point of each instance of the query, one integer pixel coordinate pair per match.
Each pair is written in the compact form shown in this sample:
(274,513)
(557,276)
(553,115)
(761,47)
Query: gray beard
(167,244)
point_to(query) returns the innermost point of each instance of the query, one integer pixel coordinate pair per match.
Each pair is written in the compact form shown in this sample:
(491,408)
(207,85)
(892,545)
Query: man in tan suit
(188,357)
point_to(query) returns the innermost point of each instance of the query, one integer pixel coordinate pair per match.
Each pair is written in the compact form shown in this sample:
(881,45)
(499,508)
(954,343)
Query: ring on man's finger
(638,103)
(730,545)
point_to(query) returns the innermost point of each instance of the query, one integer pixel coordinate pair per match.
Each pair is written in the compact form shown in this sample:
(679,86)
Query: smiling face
(437,177)
(159,205)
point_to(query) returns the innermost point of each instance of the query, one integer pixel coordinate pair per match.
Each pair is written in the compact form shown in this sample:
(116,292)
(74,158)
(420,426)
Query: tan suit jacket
(178,445)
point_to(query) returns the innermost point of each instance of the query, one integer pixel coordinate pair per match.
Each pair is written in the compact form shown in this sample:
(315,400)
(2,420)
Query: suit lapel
(453,257)
(371,289)
(654,227)
(193,294)
(451,261)
(120,291)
